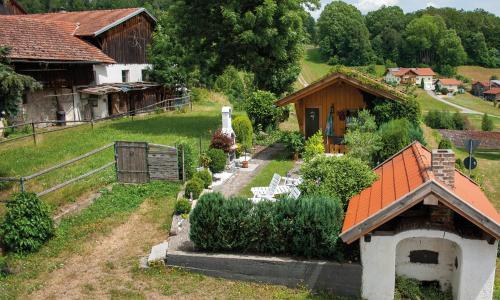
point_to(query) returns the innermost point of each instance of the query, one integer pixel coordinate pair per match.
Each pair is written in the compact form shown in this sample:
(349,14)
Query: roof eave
(124,19)
(53,61)
(406,202)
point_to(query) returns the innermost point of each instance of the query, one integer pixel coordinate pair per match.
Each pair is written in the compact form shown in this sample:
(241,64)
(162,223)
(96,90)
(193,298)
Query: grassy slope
(428,103)
(23,158)
(477,73)
(470,101)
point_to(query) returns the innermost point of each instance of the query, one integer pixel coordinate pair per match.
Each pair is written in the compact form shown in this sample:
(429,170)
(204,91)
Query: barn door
(132,162)
(312,121)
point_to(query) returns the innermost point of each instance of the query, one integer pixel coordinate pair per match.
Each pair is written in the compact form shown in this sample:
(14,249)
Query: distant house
(424,220)
(11,7)
(479,87)
(91,63)
(415,76)
(492,94)
(451,84)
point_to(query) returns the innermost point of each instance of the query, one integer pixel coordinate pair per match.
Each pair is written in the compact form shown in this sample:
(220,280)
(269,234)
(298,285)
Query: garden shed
(330,103)
(425,220)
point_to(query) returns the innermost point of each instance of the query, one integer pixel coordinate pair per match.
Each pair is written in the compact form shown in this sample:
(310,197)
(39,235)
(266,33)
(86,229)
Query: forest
(196,41)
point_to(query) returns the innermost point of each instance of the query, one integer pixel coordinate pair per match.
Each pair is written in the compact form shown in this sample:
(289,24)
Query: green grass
(428,103)
(23,158)
(475,103)
(73,234)
(477,73)
(476,120)
(314,66)
(280,165)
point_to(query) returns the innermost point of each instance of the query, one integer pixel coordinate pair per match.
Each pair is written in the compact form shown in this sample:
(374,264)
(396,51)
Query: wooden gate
(132,162)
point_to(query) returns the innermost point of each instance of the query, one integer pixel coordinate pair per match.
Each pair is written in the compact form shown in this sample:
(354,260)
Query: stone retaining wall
(335,278)
(489,140)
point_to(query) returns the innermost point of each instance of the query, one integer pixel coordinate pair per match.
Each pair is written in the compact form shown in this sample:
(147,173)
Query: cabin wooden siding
(341,95)
(127,42)
(57,75)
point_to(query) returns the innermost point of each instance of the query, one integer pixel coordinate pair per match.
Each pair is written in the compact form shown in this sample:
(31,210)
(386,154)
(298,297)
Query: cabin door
(312,121)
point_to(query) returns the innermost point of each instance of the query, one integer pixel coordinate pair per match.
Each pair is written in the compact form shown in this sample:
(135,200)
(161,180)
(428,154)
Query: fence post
(92,123)
(183,169)
(33,130)
(21,183)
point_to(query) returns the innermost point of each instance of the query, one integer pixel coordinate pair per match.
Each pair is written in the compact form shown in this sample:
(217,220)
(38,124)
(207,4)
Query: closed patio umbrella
(329,124)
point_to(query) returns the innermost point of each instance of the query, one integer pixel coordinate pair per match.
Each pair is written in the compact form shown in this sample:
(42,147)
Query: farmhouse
(332,102)
(415,76)
(479,87)
(492,94)
(425,220)
(451,84)
(70,52)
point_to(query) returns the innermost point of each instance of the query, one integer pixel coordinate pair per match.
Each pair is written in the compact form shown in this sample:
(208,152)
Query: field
(470,101)
(428,103)
(476,73)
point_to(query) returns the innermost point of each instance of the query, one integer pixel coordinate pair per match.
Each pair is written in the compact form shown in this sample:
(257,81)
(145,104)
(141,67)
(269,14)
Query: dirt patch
(105,266)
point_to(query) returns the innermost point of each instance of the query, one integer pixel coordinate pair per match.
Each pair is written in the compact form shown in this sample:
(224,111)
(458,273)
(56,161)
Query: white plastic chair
(274,188)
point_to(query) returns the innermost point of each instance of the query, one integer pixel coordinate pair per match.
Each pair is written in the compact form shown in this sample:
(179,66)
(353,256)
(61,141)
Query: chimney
(443,166)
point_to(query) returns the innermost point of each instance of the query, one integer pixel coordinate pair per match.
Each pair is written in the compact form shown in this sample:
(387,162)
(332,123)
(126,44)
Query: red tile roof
(450,81)
(31,39)
(417,71)
(403,174)
(483,83)
(493,91)
(90,22)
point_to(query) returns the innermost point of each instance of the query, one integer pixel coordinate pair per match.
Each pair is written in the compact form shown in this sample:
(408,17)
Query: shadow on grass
(488,154)
(314,55)
(182,125)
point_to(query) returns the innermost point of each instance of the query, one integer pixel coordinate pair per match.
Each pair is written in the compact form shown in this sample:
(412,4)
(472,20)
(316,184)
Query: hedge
(205,176)
(194,187)
(218,160)
(306,227)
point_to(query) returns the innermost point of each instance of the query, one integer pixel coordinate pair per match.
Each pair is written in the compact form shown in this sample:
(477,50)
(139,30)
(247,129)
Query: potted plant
(244,163)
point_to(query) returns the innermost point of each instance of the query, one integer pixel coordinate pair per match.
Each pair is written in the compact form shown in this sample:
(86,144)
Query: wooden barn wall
(341,95)
(58,75)
(127,42)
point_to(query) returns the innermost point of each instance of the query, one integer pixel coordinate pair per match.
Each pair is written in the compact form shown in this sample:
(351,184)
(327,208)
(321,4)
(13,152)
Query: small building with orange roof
(415,76)
(425,220)
(451,84)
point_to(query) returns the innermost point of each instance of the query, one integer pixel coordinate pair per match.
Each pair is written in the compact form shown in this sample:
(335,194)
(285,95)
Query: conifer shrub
(194,187)
(182,206)
(445,143)
(218,160)
(27,224)
(243,130)
(205,176)
(204,220)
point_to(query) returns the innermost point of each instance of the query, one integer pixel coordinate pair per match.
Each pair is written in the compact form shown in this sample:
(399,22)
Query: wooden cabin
(340,94)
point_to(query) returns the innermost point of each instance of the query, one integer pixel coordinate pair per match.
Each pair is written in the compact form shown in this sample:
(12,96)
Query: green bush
(445,120)
(314,146)
(194,187)
(445,143)
(341,177)
(486,123)
(189,167)
(218,160)
(243,130)
(235,84)
(387,110)
(182,206)
(294,141)
(308,226)
(362,138)
(27,224)
(396,135)
(205,176)
(262,111)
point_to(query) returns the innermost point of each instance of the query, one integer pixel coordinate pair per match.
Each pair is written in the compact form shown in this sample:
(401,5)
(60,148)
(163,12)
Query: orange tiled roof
(493,91)
(404,173)
(450,81)
(483,83)
(418,71)
(32,39)
(90,22)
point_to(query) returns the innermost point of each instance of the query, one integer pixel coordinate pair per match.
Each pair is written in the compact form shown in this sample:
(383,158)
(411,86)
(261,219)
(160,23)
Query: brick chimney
(443,166)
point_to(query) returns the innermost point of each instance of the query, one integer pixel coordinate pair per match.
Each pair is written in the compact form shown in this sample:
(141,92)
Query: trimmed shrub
(221,141)
(182,206)
(341,177)
(194,186)
(314,146)
(242,127)
(308,226)
(27,224)
(205,176)
(188,158)
(445,143)
(218,160)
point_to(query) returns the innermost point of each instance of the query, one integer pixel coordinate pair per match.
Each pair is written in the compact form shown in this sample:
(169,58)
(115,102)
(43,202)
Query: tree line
(439,37)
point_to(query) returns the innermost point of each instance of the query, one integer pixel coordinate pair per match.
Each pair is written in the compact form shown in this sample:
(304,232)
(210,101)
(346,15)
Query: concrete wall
(339,279)
(113,73)
(42,106)
(473,279)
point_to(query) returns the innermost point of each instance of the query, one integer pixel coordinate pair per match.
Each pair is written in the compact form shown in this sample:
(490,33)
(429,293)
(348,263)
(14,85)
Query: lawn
(476,120)
(22,158)
(314,66)
(428,103)
(475,103)
(476,73)
(280,165)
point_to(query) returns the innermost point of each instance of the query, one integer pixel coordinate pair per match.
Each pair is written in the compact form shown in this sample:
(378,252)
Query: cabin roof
(450,81)
(403,181)
(40,40)
(93,22)
(352,77)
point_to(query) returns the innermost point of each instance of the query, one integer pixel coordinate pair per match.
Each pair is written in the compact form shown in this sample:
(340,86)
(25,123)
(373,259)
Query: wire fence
(33,131)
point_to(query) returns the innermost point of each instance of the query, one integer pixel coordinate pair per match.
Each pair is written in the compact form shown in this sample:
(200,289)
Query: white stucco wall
(428,80)
(391,78)
(42,106)
(473,280)
(113,73)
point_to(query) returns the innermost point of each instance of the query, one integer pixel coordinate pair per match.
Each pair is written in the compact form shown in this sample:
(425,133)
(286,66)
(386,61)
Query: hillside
(477,73)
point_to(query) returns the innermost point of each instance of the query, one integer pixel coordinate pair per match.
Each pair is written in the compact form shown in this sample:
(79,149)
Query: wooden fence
(135,162)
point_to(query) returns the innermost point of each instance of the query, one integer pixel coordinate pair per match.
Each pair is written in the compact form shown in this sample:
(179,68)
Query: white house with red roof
(425,220)
(451,84)
(417,76)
